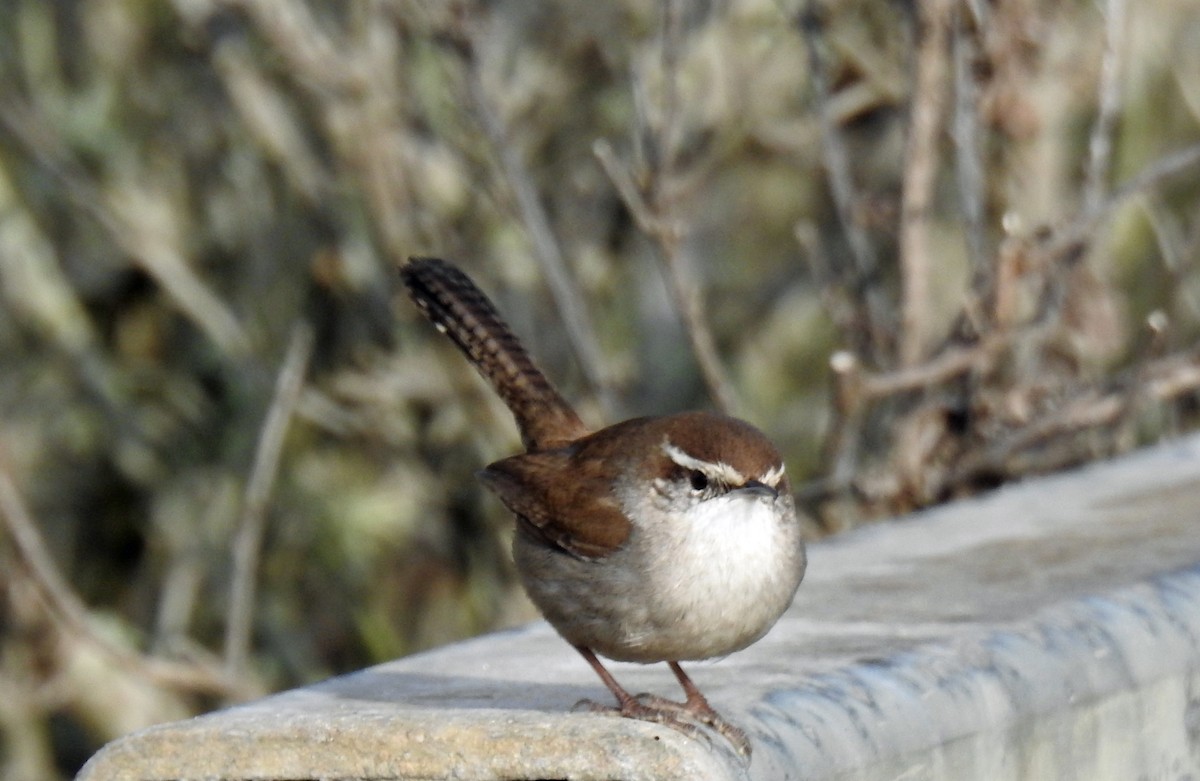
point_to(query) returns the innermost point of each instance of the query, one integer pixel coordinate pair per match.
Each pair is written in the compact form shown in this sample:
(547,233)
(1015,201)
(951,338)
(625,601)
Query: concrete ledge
(1048,630)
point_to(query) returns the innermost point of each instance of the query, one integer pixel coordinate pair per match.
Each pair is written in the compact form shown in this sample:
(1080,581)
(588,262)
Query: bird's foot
(700,711)
(681,716)
(678,718)
(686,717)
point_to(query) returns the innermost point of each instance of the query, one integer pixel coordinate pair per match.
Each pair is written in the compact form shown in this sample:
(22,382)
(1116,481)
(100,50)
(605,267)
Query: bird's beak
(756,488)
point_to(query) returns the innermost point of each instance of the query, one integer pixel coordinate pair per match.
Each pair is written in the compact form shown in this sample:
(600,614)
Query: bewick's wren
(655,540)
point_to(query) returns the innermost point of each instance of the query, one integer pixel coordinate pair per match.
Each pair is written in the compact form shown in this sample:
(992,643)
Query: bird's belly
(701,594)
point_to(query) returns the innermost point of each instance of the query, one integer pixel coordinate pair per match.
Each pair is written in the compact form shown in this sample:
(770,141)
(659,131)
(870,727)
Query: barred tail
(460,310)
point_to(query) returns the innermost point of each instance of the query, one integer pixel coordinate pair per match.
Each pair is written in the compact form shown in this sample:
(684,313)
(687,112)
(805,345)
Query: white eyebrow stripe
(720,470)
(772,476)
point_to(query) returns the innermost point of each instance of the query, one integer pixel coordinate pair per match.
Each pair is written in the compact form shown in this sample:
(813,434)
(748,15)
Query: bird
(666,538)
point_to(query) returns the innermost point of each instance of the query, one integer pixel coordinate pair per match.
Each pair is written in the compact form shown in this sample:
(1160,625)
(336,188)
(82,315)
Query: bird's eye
(698,479)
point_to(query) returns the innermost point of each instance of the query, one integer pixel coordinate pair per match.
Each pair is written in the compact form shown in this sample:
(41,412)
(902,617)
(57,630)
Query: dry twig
(247,541)
(867,333)
(655,208)
(972,186)
(667,228)
(1100,144)
(547,251)
(69,611)
(920,173)
(1085,411)
(1076,233)
(134,218)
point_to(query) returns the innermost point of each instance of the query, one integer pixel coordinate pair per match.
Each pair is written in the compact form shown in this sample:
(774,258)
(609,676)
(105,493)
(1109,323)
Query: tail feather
(459,309)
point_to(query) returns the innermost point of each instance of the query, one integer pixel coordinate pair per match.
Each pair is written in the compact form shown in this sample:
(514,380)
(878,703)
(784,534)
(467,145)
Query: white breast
(695,581)
(722,573)
(727,546)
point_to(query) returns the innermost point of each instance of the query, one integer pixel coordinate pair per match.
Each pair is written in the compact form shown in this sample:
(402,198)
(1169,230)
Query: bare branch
(1161,381)
(631,196)
(685,294)
(972,186)
(849,404)
(247,542)
(946,366)
(658,217)
(65,605)
(32,552)
(1177,254)
(308,50)
(135,219)
(865,336)
(920,174)
(689,301)
(1164,167)
(547,251)
(1078,230)
(270,118)
(1109,100)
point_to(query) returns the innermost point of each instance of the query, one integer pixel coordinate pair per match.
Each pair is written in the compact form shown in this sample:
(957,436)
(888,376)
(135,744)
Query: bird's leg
(697,705)
(678,715)
(632,707)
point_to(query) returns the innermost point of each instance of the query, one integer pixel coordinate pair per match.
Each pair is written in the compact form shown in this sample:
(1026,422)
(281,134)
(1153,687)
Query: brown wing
(558,504)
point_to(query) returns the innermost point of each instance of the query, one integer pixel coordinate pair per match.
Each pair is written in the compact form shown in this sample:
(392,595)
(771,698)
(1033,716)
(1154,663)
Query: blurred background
(929,247)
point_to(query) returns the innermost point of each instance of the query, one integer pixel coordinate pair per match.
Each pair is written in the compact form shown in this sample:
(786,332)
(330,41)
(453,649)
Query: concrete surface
(1049,630)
